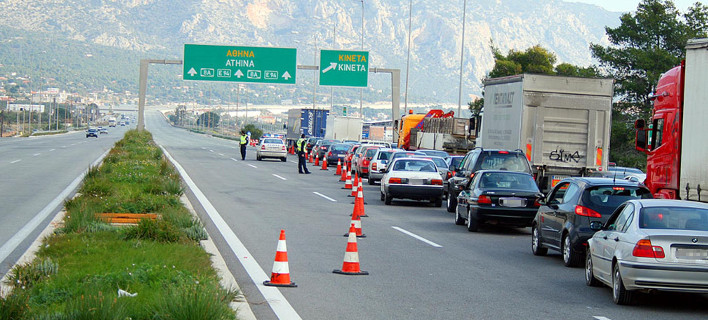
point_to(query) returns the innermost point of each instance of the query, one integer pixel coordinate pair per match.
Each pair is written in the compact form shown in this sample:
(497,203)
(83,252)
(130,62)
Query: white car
(272,148)
(378,162)
(650,244)
(412,178)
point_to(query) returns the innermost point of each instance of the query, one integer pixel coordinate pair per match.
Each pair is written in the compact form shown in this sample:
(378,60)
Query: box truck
(344,128)
(562,124)
(676,151)
(311,122)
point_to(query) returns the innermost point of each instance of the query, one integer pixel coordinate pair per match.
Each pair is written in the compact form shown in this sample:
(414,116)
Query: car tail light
(374,166)
(504,152)
(484,199)
(263,147)
(365,162)
(323,148)
(586,212)
(643,248)
(436,182)
(471,175)
(329,154)
(536,203)
(449,174)
(395,180)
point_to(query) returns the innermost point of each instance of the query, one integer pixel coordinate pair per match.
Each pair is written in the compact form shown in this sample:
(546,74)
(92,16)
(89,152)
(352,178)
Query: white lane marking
(295,162)
(276,300)
(203,148)
(63,146)
(279,177)
(233,159)
(36,154)
(601,318)
(52,149)
(221,154)
(324,196)
(212,151)
(252,166)
(16,161)
(417,237)
(25,231)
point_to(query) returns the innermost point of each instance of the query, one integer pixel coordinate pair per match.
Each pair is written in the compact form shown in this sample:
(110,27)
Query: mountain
(114,34)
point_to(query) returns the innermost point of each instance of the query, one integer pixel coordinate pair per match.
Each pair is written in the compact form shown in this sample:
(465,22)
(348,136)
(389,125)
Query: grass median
(91,269)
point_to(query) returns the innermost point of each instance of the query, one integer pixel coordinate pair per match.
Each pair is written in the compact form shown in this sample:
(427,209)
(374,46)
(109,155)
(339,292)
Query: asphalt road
(34,171)
(421,265)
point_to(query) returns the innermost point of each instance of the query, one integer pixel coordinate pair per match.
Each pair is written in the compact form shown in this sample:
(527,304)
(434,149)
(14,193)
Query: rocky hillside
(159,28)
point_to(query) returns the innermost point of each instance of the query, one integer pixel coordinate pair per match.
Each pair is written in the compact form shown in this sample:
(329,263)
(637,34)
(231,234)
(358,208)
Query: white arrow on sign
(332,65)
(192,72)
(286,75)
(238,74)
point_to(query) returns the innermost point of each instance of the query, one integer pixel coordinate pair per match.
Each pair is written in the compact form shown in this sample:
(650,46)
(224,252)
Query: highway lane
(486,275)
(33,172)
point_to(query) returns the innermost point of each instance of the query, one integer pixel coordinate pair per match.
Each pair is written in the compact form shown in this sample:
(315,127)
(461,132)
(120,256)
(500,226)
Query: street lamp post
(408,60)
(462,56)
(361,91)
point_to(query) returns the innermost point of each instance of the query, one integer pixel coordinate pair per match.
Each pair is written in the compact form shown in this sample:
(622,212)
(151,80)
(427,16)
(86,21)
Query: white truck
(344,128)
(111,122)
(562,124)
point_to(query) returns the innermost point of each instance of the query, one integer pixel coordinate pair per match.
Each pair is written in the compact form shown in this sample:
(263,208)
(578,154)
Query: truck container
(344,128)
(676,153)
(311,122)
(562,124)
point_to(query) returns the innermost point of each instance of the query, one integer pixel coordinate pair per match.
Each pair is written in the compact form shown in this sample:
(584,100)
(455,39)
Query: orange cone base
(271,284)
(360,273)
(361,236)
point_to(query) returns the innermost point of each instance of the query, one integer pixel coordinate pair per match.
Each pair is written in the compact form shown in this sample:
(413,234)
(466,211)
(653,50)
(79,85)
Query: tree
(645,45)
(208,119)
(255,132)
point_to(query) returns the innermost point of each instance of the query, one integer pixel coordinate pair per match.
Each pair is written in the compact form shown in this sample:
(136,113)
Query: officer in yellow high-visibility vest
(301,155)
(243,143)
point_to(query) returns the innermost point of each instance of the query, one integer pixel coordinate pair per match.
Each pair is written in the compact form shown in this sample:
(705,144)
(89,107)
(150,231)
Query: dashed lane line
(295,162)
(417,237)
(234,159)
(36,154)
(212,151)
(16,161)
(324,196)
(279,177)
(252,166)
(601,318)
(272,295)
(221,154)
(52,149)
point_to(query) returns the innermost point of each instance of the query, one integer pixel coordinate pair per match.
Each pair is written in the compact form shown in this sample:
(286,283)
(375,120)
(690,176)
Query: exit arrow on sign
(332,65)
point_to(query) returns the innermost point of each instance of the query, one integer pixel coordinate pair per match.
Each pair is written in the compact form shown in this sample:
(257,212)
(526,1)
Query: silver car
(378,162)
(651,244)
(412,178)
(271,148)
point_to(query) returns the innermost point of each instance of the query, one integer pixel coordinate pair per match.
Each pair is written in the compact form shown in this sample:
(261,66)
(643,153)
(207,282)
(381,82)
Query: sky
(631,5)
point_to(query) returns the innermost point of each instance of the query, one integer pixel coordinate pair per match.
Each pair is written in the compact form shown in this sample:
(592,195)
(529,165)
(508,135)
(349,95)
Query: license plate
(556,179)
(691,254)
(417,182)
(341,156)
(512,202)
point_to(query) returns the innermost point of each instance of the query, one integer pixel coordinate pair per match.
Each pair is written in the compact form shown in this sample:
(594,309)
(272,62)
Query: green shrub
(14,306)
(195,302)
(156,230)
(26,275)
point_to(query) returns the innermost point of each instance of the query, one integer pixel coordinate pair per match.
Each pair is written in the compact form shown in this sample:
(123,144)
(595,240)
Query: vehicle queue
(652,244)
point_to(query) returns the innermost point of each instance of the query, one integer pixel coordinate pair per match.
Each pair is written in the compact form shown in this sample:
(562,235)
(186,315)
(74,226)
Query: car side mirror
(595,225)
(542,201)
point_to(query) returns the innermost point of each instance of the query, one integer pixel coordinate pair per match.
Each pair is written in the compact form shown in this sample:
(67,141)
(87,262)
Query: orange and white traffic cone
(324,163)
(351,257)
(355,185)
(309,157)
(356,222)
(339,167)
(280,277)
(317,160)
(360,198)
(344,175)
(348,182)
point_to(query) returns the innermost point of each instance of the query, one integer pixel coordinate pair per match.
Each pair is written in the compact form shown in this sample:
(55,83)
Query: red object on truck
(673,142)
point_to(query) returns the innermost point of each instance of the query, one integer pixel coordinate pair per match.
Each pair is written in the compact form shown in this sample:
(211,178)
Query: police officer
(243,143)
(301,155)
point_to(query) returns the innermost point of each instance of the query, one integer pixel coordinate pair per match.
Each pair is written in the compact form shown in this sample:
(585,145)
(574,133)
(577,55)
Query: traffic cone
(324,163)
(344,174)
(280,277)
(348,182)
(356,222)
(360,198)
(317,160)
(351,257)
(339,167)
(355,185)
(309,157)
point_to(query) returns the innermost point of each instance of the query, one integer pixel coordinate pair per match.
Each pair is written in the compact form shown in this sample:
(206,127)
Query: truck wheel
(451,202)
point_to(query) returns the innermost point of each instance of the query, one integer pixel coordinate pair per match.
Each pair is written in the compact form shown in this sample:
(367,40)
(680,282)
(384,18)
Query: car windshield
(507,180)
(420,165)
(340,147)
(605,199)
(278,141)
(676,218)
(504,161)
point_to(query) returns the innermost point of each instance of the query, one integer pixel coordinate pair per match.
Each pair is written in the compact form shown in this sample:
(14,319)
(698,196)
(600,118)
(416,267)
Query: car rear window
(415,165)
(456,161)
(440,162)
(504,161)
(384,155)
(677,218)
(340,147)
(507,180)
(605,199)
(278,141)
(370,152)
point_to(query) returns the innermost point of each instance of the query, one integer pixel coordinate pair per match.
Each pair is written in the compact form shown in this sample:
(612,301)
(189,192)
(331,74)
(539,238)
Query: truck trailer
(311,122)
(676,151)
(562,124)
(344,128)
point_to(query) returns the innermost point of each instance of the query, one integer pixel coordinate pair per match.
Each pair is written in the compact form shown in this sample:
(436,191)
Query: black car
(498,197)
(453,165)
(483,159)
(563,220)
(336,152)
(311,143)
(322,146)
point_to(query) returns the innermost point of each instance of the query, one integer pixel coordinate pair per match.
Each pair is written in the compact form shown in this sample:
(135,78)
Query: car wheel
(382,196)
(571,258)
(283,159)
(388,199)
(371,181)
(459,220)
(451,202)
(438,202)
(258,158)
(536,247)
(620,295)
(589,274)
(472,223)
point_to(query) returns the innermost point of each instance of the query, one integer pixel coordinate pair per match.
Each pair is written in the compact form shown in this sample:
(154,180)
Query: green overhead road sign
(239,64)
(344,68)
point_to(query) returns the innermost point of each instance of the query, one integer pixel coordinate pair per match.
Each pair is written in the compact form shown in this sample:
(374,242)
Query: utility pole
(462,57)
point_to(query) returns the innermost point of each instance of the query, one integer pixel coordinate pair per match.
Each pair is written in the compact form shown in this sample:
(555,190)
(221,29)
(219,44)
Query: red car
(350,154)
(361,161)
